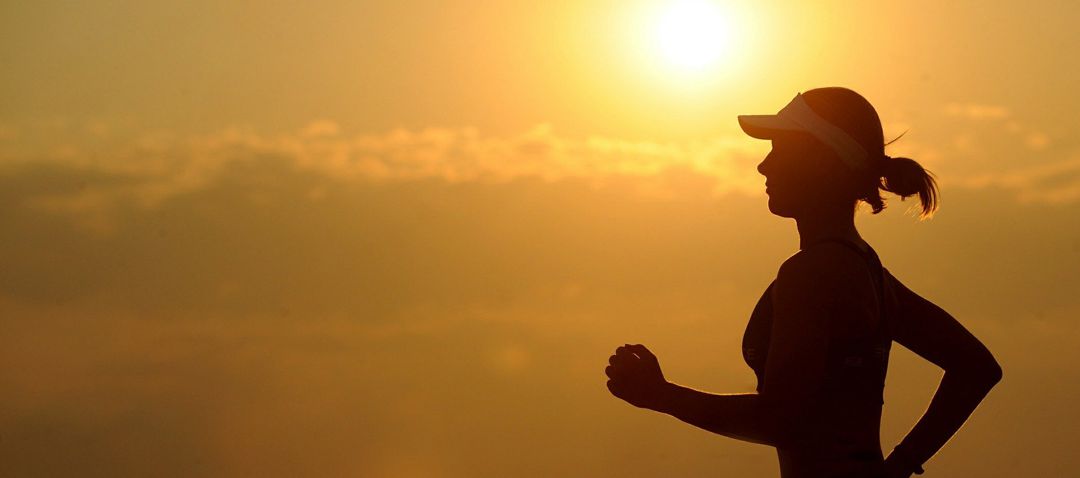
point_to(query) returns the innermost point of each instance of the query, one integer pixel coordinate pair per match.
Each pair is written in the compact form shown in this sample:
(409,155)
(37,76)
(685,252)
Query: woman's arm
(734,415)
(635,376)
(970,373)
(805,287)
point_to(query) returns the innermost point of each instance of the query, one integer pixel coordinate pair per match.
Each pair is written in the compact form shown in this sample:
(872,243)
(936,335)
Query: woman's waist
(857,461)
(838,434)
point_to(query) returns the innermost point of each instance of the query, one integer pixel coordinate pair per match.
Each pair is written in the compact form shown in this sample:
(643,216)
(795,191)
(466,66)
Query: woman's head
(829,151)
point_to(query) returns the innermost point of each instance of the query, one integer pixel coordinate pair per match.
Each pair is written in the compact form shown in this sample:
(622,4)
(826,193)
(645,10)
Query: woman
(819,337)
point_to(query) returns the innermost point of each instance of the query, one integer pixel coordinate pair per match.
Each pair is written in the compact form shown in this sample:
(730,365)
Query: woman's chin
(778,208)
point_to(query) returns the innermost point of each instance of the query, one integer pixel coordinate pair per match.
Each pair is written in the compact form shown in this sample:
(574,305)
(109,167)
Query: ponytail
(906,178)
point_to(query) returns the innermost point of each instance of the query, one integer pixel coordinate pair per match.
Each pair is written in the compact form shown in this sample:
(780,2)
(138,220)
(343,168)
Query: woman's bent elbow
(986,374)
(982,375)
(993,373)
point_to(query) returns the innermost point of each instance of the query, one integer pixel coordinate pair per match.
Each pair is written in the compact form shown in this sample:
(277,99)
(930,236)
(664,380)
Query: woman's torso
(847,416)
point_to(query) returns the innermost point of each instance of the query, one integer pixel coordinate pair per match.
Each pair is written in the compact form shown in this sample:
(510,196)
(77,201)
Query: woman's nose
(761,167)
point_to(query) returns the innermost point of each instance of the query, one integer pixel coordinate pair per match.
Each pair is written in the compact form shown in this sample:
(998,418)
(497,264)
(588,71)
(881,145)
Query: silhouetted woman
(819,338)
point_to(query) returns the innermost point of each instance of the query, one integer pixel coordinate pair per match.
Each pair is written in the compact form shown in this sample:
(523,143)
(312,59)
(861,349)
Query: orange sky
(399,239)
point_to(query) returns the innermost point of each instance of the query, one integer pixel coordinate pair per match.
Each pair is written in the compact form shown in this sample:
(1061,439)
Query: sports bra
(856,367)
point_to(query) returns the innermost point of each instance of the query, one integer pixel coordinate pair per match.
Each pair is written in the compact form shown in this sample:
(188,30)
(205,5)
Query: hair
(905,177)
(902,176)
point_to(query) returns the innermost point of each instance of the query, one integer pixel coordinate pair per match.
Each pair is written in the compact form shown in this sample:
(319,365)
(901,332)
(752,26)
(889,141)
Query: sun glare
(693,35)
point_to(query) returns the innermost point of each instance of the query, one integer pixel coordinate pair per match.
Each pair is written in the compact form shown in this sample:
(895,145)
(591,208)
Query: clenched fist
(634,375)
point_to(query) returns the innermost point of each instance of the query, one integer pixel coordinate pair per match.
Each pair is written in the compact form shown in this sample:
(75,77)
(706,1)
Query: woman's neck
(814,228)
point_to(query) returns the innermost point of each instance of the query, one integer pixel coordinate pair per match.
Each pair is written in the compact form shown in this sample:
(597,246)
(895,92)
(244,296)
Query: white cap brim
(766,126)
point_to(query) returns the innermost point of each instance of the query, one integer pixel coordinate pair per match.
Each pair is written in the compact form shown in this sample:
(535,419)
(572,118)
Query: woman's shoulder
(822,264)
(833,277)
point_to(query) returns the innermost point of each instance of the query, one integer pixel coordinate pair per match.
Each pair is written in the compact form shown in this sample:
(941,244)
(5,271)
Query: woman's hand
(634,375)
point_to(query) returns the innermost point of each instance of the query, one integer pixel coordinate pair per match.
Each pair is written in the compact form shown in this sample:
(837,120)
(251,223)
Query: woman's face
(800,175)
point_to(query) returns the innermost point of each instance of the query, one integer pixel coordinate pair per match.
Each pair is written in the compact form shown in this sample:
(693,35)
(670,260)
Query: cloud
(1051,183)
(1037,140)
(243,222)
(986,147)
(976,111)
(146,169)
(158,166)
(457,155)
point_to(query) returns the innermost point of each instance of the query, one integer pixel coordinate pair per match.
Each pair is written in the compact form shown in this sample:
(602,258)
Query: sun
(693,35)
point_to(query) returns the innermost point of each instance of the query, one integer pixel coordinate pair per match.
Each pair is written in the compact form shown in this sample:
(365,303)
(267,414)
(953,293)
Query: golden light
(694,34)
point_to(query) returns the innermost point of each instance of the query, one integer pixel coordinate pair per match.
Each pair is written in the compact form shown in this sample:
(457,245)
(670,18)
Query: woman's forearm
(735,415)
(956,398)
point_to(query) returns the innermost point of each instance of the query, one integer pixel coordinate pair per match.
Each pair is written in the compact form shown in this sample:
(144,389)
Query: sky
(400,239)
